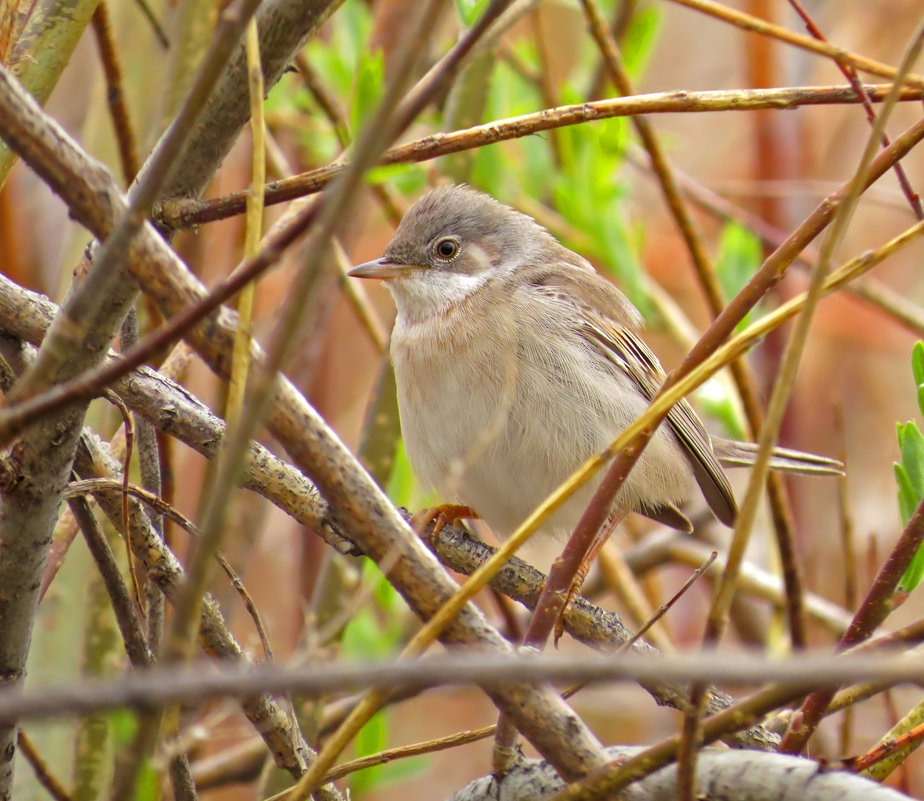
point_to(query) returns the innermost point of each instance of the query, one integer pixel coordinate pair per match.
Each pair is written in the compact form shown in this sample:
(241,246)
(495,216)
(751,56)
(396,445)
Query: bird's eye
(446,249)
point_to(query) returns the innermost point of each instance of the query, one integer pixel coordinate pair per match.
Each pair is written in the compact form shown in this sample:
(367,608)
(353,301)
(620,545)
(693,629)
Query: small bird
(515,362)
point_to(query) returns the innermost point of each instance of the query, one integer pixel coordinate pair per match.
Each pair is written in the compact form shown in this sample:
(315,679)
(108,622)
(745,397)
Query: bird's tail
(732,453)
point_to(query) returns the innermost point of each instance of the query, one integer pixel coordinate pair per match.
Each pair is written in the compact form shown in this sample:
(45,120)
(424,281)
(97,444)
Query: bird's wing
(601,307)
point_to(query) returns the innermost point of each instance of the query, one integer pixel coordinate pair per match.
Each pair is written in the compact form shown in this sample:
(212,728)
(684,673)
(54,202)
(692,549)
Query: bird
(515,361)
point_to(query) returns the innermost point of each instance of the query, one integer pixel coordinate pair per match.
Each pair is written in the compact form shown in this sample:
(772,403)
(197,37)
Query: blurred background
(590,186)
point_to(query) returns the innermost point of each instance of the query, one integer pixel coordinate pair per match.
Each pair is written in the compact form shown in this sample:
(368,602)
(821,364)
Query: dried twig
(181,213)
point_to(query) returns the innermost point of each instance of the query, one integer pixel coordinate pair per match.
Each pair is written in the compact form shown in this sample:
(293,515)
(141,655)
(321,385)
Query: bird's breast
(451,388)
(499,420)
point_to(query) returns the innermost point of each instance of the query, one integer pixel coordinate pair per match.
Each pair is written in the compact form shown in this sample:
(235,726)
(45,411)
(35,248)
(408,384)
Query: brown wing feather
(610,325)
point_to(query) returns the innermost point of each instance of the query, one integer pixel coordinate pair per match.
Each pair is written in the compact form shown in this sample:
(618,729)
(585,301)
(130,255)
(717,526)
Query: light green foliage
(337,57)
(373,738)
(498,167)
(375,633)
(470,10)
(574,169)
(917,370)
(124,726)
(640,40)
(738,259)
(348,70)
(403,488)
(367,91)
(714,401)
(409,179)
(590,196)
(909,474)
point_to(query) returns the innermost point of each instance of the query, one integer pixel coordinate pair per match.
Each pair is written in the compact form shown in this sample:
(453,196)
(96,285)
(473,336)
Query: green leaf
(372,738)
(909,476)
(917,369)
(614,136)
(336,58)
(495,167)
(368,89)
(124,726)
(470,10)
(738,259)
(408,179)
(907,499)
(912,575)
(640,40)
(912,447)
(403,488)
(917,362)
(375,737)
(713,401)
(376,630)
(147,788)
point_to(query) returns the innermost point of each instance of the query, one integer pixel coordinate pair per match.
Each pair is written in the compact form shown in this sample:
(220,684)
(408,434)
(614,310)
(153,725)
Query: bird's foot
(439,516)
(579,577)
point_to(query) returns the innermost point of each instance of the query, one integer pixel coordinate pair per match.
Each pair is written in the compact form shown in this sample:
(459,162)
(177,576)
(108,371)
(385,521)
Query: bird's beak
(380,268)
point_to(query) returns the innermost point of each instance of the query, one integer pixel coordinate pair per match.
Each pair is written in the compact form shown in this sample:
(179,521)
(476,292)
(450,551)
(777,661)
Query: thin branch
(151,459)
(877,605)
(148,13)
(184,213)
(77,489)
(99,283)
(756,25)
(853,79)
(175,411)
(662,610)
(161,686)
(49,783)
(115,97)
(789,364)
(897,306)
(709,282)
(125,612)
(129,423)
(285,744)
(585,622)
(665,548)
(813,708)
(284,27)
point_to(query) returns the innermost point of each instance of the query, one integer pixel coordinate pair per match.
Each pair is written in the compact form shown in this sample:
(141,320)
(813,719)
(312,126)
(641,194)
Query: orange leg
(599,541)
(440,516)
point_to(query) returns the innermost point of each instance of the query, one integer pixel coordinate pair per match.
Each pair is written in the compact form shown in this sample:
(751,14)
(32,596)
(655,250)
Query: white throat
(423,294)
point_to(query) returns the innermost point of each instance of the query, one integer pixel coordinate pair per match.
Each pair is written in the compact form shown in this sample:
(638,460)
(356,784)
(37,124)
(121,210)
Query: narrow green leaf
(375,631)
(713,401)
(917,370)
(738,259)
(912,576)
(470,10)
(912,447)
(372,738)
(640,40)
(368,89)
(917,362)
(148,786)
(907,499)
(408,179)
(909,475)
